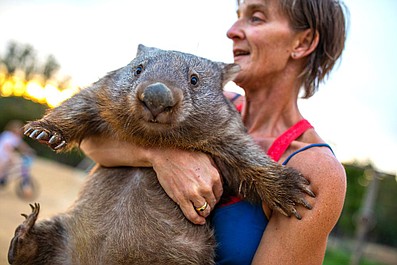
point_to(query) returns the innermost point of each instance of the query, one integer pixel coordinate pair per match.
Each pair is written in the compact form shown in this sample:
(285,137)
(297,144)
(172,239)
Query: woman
(282,47)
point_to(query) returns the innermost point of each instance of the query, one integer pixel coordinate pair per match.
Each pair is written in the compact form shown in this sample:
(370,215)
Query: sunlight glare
(49,94)
(35,92)
(19,87)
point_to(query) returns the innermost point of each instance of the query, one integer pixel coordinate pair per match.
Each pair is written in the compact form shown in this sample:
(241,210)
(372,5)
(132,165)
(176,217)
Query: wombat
(122,215)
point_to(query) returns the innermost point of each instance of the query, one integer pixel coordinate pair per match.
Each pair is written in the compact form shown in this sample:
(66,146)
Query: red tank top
(279,145)
(282,142)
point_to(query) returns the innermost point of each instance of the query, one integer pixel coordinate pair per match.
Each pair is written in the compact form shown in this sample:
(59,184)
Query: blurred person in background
(14,151)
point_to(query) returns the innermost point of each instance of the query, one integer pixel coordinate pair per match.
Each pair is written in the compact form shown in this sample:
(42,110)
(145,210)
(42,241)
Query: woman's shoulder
(325,173)
(317,162)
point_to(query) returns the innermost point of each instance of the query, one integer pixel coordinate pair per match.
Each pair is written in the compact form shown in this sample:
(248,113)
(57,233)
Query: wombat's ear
(141,49)
(229,72)
(147,51)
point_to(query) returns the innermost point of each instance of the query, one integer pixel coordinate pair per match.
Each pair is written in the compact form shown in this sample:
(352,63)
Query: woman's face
(262,42)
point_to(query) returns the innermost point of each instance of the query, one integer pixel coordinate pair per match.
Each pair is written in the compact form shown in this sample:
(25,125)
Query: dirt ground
(59,186)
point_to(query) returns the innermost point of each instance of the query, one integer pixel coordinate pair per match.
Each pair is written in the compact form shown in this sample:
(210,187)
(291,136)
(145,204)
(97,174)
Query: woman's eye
(255,19)
(138,70)
(194,79)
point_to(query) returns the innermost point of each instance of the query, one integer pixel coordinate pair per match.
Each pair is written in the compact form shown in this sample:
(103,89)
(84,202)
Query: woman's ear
(305,43)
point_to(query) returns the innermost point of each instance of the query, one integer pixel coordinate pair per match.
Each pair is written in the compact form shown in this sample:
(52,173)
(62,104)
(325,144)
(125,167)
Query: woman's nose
(235,31)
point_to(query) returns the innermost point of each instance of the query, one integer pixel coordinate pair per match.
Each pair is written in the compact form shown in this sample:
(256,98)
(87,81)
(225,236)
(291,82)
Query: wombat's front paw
(36,131)
(290,192)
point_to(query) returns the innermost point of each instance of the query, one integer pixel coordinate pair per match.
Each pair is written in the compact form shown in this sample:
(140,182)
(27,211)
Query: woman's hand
(189,178)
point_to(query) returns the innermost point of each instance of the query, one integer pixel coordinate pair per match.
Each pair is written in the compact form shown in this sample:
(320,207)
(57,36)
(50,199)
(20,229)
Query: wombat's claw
(31,219)
(34,133)
(43,135)
(309,192)
(62,144)
(306,204)
(281,210)
(54,140)
(288,213)
(290,210)
(297,215)
(27,131)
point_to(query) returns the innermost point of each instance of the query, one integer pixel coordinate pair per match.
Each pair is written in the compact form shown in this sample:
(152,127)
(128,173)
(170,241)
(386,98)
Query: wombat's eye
(138,70)
(194,79)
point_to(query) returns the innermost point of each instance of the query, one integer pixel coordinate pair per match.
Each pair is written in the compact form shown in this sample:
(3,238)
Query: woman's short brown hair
(328,18)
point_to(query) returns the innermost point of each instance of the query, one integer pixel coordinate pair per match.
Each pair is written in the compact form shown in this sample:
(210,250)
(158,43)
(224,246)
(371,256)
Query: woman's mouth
(238,53)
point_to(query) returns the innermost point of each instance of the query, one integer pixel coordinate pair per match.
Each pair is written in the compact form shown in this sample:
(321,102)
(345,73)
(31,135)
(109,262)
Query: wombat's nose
(157,98)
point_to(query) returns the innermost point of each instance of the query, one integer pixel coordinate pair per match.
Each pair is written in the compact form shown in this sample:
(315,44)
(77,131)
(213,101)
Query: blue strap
(235,97)
(305,148)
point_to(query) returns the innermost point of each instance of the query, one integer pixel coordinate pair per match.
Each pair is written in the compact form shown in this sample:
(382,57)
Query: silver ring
(202,208)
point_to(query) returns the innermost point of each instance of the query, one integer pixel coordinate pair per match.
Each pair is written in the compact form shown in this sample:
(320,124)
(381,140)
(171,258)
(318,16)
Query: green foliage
(50,67)
(23,57)
(385,229)
(354,194)
(339,257)
(386,213)
(17,108)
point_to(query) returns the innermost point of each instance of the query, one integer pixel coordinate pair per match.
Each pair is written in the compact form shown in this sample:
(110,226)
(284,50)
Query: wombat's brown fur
(122,215)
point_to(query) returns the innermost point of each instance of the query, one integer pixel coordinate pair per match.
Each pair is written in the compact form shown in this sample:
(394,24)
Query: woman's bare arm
(291,241)
(189,178)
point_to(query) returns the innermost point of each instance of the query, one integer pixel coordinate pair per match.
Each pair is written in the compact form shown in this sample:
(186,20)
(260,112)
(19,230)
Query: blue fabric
(238,230)
(305,148)
(235,97)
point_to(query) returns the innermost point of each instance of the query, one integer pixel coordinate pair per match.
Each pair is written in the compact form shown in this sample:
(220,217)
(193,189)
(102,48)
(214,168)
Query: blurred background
(49,49)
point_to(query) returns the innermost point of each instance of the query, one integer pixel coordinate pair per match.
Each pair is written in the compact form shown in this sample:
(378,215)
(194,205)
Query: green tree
(50,67)
(23,57)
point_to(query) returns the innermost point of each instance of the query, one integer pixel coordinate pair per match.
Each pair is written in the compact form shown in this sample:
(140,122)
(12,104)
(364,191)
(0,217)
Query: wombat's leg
(65,126)
(289,191)
(23,246)
(283,188)
(252,174)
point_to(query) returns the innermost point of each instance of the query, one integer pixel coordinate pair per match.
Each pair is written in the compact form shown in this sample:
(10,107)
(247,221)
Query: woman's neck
(269,111)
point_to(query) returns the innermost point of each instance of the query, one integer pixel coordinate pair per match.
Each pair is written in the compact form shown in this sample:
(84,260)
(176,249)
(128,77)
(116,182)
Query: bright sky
(355,110)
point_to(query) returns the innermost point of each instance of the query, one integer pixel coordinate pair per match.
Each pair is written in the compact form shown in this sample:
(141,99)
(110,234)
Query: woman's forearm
(112,153)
